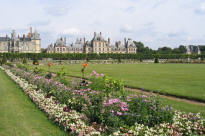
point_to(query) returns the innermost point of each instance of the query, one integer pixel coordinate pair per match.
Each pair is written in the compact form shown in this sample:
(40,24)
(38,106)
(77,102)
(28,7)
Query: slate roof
(4,39)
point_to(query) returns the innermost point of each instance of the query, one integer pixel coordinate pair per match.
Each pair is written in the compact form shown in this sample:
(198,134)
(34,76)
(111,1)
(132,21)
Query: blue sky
(157,23)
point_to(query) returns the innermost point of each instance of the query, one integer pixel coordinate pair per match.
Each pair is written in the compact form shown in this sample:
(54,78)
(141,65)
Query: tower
(198,50)
(108,41)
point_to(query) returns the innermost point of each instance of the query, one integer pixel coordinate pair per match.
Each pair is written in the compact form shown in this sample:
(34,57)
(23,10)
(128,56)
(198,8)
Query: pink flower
(88,89)
(119,113)
(102,75)
(53,75)
(94,72)
(144,96)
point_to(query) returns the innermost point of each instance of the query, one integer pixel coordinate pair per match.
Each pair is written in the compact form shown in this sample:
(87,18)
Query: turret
(125,42)
(108,41)
(198,50)
(65,40)
(24,37)
(13,34)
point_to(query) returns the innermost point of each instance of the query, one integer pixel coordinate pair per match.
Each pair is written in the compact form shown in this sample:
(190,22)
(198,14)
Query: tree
(141,48)
(165,50)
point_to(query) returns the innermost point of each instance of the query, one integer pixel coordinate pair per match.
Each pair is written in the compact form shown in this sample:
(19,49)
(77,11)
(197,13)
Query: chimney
(100,33)
(6,36)
(108,41)
(125,42)
(24,37)
(84,40)
(30,30)
(94,34)
(65,40)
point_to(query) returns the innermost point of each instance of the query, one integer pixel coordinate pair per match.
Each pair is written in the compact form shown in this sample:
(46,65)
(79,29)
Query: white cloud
(72,31)
(202,7)
(156,22)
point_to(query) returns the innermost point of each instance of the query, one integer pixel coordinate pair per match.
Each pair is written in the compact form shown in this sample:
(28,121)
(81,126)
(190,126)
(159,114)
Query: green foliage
(48,75)
(148,111)
(38,70)
(24,61)
(165,50)
(35,61)
(4,60)
(156,60)
(61,73)
(142,49)
(10,64)
(141,55)
(21,66)
(107,85)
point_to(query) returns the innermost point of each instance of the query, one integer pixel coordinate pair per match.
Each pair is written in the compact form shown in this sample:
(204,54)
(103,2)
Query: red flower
(85,65)
(50,64)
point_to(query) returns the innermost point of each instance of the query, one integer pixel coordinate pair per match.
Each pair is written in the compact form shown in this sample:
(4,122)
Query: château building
(191,49)
(30,43)
(97,45)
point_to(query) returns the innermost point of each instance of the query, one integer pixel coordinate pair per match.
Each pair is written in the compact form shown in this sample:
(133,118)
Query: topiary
(4,60)
(24,61)
(156,60)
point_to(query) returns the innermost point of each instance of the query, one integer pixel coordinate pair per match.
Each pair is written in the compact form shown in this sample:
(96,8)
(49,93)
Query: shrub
(24,61)
(48,75)
(156,60)
(107,84)
(4,60)
(148,111)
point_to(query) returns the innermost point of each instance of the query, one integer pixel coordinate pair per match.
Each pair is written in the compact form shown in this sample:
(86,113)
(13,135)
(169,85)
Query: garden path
(18,114)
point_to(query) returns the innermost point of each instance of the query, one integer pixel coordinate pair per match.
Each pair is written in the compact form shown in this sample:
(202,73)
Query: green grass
(19,116)
(179,105)
(184,80)
(184,106)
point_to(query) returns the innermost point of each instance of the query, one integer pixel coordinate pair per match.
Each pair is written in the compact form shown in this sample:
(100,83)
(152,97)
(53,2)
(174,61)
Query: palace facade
(191,49)
(97,45)
(30,43)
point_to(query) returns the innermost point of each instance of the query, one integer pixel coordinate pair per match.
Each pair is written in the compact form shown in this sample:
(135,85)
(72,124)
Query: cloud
(201,9)
(57,10)
(126,29)
(158,3)
(39,23)
(72,31)
(155,22)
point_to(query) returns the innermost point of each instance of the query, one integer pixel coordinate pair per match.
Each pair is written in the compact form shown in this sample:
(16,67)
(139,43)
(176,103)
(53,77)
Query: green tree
(165,50)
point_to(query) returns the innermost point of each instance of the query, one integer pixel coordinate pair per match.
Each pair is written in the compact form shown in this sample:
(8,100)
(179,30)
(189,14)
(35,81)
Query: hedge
(83,56)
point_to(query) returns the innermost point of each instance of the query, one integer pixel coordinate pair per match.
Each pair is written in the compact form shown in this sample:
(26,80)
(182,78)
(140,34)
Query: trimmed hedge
(83,56)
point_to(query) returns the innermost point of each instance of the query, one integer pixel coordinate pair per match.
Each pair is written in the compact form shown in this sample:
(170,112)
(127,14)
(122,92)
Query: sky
(156,23)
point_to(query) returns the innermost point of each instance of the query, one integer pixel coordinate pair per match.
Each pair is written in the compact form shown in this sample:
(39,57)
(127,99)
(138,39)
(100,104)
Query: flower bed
(84,111)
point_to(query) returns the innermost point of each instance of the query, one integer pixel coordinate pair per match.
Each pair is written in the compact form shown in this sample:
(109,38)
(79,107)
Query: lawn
(185,80)
(19,116)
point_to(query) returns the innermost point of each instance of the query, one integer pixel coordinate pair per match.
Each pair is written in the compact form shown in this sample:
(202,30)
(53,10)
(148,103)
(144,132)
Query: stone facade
(191,49)
(26,44)
(97,45)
